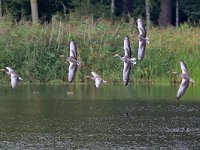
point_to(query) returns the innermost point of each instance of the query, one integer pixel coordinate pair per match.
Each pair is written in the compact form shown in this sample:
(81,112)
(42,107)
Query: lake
(79,116)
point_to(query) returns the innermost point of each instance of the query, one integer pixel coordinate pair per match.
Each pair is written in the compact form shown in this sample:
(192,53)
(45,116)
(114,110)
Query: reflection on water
(112,117)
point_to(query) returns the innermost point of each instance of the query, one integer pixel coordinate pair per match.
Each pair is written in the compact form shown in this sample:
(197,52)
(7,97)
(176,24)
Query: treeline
(156,12)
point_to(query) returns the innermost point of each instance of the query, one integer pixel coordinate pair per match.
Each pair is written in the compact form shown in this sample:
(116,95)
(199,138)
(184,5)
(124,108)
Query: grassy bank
(33,50)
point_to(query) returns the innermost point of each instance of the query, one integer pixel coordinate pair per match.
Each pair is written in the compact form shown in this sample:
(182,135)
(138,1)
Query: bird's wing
(127,47)
(141,28)
(126,73)
(73,49)
(14,79)
(183,86)
(10,69)
(97,82)
(72,71)
(141,49)
(184,68)
(95,75)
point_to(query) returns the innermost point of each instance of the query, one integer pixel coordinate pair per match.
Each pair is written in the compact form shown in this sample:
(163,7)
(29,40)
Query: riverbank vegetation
(34,50)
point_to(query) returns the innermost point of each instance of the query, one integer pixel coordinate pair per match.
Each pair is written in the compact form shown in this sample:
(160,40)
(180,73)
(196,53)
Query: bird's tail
(147,40)
(79,63)
(133,61)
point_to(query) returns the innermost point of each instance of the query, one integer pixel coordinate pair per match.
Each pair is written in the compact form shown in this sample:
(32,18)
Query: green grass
(33,50)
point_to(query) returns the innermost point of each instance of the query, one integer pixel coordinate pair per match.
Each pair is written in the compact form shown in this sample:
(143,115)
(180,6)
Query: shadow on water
(112,117)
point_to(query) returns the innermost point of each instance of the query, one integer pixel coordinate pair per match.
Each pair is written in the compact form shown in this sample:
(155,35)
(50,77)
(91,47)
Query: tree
(147,4)
(112,8)
(165,17)
(1,15)
(126,8)
(189,11)
(34,10)
(177,13)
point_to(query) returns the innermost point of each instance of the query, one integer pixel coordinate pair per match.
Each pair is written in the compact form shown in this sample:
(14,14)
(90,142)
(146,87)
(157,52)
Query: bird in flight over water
(143,39)
(186,79)
(128,61)
(73,62)
(97,78)
(14,77)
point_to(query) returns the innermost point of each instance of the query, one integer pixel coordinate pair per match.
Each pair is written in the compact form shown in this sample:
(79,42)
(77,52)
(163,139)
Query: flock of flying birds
(126,59)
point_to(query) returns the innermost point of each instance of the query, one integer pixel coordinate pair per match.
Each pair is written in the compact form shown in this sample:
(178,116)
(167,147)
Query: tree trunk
(1,14)
(34,10)
(112,8)
(177,13)
(147,3)
(126,7)
(165,17)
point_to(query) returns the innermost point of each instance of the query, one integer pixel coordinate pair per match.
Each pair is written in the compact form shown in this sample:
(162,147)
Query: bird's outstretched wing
(97,79)
(10,69)
(72,70)
(97,82)
(141,49)
(183,87)
(95,75)
(184,68)
(141,28)
(14,80)
(126,73)
(73,49)
(127,47)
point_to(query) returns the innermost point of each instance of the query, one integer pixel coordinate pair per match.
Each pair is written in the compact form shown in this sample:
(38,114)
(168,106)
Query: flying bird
(128,61)
(13,76)
(73,62)
(186,79)
(97,78)
(143,39)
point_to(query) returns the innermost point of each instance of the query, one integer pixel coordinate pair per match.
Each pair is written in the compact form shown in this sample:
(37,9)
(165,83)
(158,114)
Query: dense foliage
(189,9)
(34,50)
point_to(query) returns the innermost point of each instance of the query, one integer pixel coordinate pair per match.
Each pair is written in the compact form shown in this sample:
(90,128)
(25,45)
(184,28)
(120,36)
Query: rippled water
(112,117)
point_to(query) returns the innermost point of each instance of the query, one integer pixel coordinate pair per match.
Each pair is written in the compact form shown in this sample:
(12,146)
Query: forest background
(34,33)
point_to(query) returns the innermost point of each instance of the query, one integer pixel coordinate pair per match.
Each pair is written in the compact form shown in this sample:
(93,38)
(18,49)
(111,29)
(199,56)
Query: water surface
(112,117)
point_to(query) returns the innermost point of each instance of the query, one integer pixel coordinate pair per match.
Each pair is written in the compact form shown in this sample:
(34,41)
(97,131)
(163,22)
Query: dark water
(112,117)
